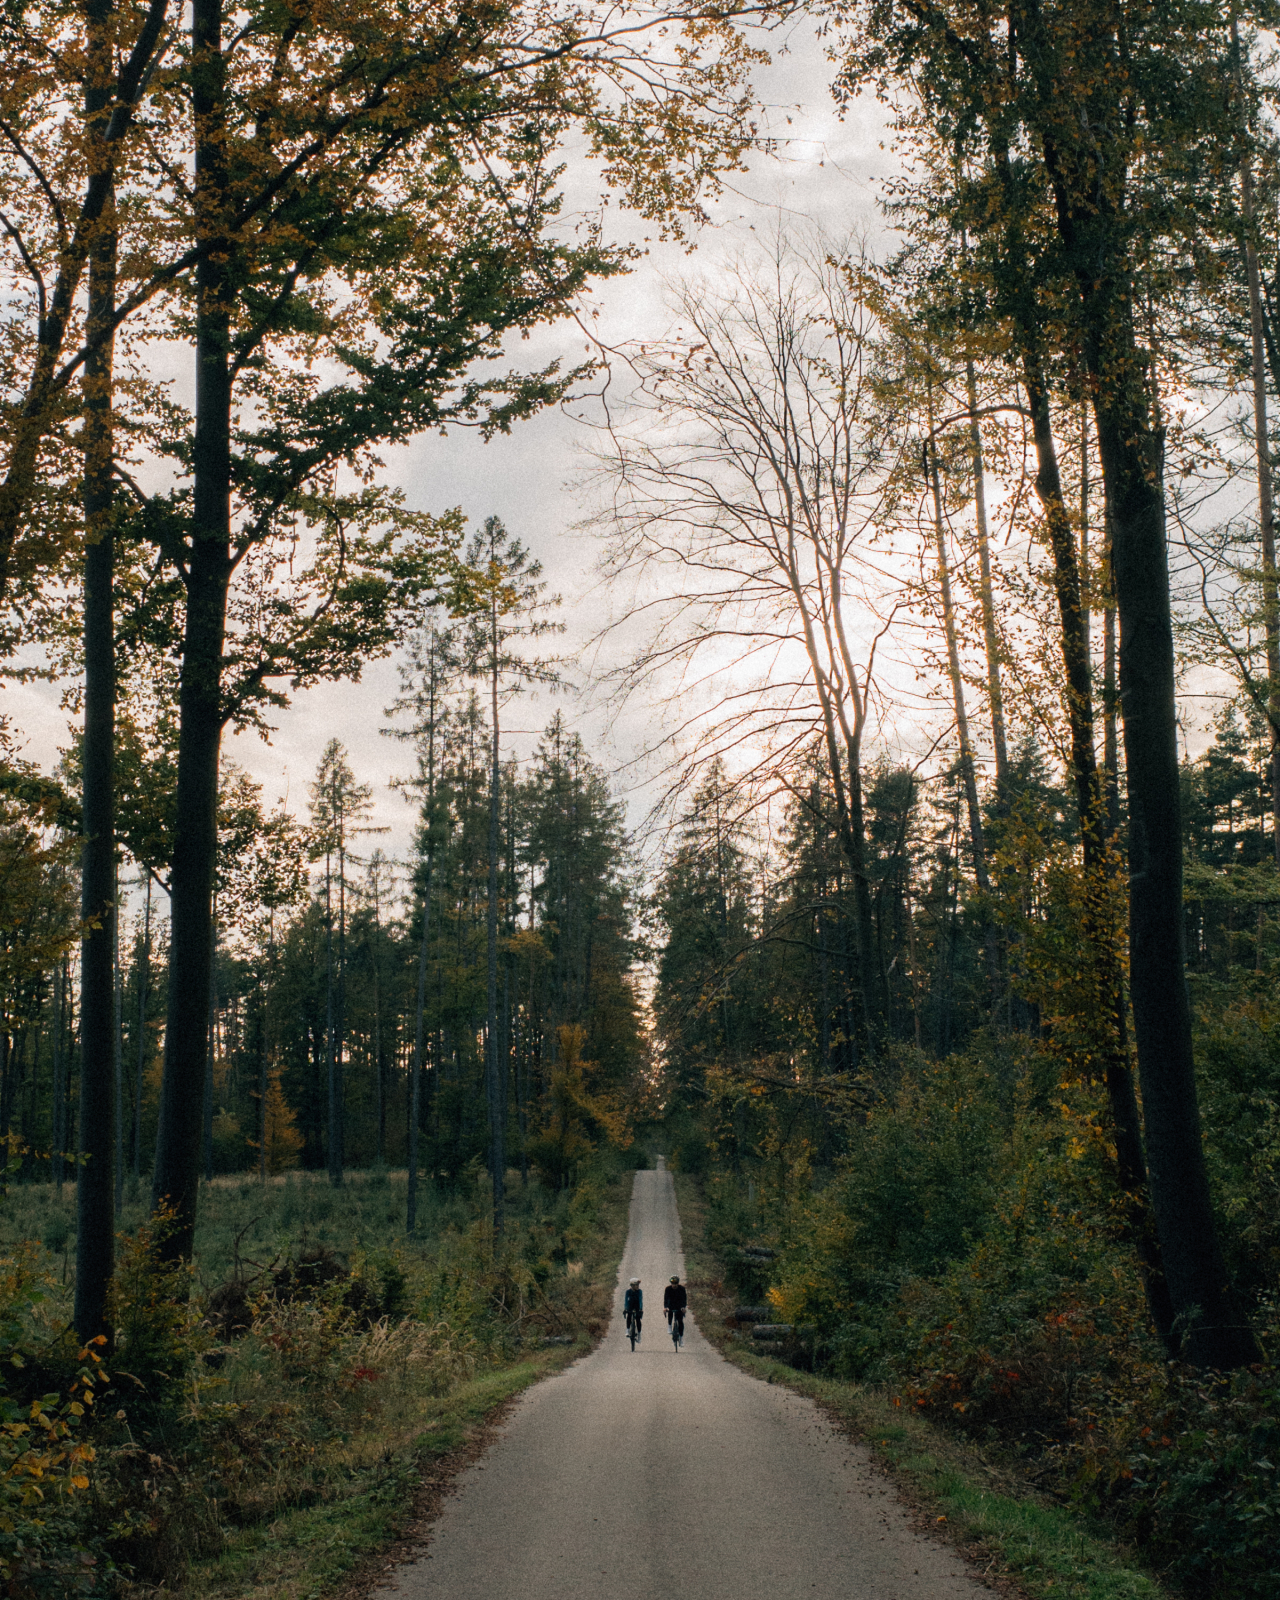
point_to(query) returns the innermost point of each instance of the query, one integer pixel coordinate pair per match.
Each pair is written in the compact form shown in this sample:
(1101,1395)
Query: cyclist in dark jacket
(633,1301)
(675,1297)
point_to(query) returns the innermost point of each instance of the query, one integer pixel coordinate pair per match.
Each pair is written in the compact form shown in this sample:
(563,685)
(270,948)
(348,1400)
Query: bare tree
(750,500)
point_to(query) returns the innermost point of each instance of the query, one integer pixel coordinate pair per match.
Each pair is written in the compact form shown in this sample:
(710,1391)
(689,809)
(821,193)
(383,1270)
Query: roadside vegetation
(970,1490)
(270,1432)
(954,1273)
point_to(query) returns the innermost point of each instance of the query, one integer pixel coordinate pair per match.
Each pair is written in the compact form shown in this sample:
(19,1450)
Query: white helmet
(634,1282)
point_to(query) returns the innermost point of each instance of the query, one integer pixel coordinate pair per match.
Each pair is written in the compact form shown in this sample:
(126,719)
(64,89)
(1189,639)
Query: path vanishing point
(673,1476)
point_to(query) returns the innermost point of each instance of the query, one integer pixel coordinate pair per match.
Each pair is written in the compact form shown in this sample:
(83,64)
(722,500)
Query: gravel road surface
(665,1475)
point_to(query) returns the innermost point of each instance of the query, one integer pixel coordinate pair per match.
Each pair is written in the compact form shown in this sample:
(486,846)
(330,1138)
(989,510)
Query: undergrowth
(967,1257)
(298,1373)
(981,1502)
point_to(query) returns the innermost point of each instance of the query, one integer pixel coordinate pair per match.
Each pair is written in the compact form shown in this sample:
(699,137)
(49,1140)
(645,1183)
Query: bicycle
(633,1328)
(676,1320)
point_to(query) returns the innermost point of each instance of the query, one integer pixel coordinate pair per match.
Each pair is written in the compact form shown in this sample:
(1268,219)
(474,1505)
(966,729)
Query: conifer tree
(339,809)
(502,598)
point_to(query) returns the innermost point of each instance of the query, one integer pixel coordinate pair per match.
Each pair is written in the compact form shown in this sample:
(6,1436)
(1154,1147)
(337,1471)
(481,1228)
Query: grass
(290,1459)
(312,1551)
(240,1215)
(1049,1549)
(342,1507)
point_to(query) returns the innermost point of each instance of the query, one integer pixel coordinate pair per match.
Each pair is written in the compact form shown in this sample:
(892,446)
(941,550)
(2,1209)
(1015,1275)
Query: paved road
(673,1476)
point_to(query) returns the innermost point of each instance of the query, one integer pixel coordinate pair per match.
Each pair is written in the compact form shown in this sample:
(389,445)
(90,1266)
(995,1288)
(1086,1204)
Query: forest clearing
(599,592)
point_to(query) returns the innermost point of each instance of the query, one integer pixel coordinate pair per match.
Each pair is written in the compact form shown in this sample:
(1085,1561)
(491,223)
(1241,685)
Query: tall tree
(704,905)
(428,675)
(761,461)
(580,903)
(412,164)
(1261,441)
(95,1193)
(1041,119)
(502,596)
(968,762)
(339,807)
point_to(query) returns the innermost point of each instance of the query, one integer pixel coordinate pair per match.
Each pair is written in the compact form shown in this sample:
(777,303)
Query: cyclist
(675,1298)
(633,1308)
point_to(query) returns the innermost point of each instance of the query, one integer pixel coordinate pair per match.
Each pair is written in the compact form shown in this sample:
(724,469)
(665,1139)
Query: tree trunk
(1110,692)
(211,1044)
(144,986)
(1086,585)
(59,1090)
(1209,1325)
(380,1153)
(117,1032)
(968,771)
(1095,836)
(95,1193)
(1266,496)
(333,1130)
(415,1082)
(264,1085)
(200,711)
(990,634)
(338,1085)
(495,1074)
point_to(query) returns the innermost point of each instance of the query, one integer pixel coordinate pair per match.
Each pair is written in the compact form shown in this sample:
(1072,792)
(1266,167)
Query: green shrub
(968,1253)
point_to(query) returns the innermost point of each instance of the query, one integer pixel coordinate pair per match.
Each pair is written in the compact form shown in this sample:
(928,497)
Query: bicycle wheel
(677,1331)
(633,1333)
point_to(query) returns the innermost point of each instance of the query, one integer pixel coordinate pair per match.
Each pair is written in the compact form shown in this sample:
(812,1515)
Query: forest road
(665,1475)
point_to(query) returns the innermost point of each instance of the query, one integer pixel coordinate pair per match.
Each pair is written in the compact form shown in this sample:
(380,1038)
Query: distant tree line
(312,1009)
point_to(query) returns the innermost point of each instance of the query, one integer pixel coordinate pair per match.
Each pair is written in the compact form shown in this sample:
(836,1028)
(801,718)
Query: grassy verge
(315,1551)
(380,1479)
(1046,1548)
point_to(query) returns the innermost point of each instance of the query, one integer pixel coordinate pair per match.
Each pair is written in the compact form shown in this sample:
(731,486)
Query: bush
(45,1452)
(968,1253)
(300,1374)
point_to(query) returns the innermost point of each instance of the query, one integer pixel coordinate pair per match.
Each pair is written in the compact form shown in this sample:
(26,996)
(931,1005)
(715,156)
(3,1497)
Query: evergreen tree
(339,809)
